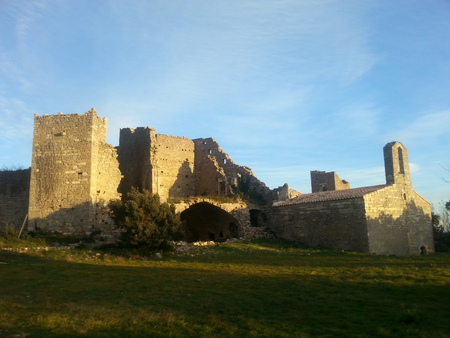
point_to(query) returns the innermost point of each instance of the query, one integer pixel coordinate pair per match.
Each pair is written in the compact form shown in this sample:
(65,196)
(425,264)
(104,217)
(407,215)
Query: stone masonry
(74,174)
(326,181)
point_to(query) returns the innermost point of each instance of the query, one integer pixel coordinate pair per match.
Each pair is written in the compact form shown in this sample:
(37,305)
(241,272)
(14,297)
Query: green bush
(147,223)
(9,238)
(9,233)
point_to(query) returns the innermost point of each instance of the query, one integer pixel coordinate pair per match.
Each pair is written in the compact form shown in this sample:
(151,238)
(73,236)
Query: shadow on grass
(47,297)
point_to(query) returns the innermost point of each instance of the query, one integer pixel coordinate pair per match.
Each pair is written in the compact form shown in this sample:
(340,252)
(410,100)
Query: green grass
(258,288)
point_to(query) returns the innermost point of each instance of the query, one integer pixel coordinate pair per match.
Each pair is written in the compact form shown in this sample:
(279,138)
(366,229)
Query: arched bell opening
(206,222)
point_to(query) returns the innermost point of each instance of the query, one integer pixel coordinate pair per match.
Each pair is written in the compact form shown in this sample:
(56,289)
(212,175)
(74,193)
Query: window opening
(400,161)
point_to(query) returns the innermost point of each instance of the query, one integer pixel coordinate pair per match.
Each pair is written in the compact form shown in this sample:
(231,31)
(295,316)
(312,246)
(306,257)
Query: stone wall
(177,167)
(336,224)
(73,172)
(14,195)
(159,163)
(398,222)
(134,153)
(327,181)
(105,181)
(173,166)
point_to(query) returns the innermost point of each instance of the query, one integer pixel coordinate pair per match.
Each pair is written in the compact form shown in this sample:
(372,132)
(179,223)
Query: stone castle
(75,173)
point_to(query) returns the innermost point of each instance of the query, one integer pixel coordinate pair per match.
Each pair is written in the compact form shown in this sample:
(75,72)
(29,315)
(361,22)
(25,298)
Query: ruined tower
(327,181)
(74,173)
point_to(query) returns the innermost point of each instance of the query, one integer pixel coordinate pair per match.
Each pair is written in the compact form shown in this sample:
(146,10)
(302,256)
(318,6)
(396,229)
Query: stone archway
(205,222)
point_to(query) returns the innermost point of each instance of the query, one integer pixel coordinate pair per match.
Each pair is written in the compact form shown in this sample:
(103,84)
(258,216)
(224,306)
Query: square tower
(74,173)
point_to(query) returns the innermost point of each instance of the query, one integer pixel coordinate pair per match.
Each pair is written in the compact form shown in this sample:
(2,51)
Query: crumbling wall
(14,194)
(177,167)
(284,192)
(327,181)
(66,172)
(217,174)
(105,187)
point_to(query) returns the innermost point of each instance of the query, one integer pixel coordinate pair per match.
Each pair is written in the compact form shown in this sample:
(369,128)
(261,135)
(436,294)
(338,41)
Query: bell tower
(396,164)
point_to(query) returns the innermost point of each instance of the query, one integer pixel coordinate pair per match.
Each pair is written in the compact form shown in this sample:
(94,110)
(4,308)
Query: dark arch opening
(206,222)
(423,250)
(257,218)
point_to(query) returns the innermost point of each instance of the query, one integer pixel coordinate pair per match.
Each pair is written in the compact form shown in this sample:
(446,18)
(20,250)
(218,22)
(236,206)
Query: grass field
(259,288)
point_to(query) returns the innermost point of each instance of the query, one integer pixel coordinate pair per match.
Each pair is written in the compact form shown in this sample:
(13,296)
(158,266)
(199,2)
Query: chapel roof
(332,195)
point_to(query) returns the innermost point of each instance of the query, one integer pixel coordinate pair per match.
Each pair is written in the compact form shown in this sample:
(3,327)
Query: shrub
(9,233)
(147,223)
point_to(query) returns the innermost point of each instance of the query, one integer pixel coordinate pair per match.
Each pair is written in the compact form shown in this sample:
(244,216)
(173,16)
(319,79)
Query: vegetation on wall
(147,223)
(245,191)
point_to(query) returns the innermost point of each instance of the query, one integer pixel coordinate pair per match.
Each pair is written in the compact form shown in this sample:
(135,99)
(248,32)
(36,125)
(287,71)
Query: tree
(441,228)
(147,222)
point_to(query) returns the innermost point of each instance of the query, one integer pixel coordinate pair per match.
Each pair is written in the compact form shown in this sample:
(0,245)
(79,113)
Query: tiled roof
(331,195)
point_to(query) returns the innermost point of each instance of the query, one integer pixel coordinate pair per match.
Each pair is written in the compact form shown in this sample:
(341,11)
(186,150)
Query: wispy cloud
(249,49)
(17,64)
(362,120)
(15,117)
(429,126)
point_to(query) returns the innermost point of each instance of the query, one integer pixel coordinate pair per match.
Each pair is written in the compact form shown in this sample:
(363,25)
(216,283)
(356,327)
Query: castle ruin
(75,173)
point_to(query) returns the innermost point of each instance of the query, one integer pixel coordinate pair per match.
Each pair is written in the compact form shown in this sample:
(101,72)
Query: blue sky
(284,86)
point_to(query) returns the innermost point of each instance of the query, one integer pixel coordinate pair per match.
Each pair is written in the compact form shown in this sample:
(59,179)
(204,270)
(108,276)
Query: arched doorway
(206,222)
